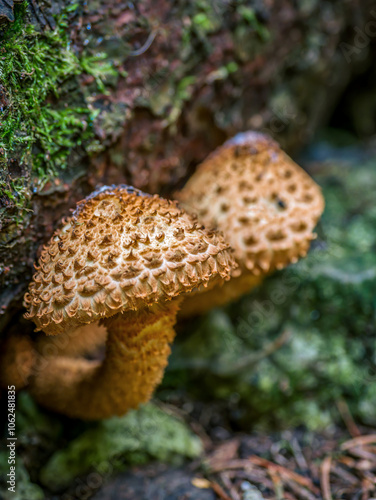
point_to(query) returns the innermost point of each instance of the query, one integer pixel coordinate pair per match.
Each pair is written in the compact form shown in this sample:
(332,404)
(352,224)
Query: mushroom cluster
(123,259)
(121,265)
(265,205)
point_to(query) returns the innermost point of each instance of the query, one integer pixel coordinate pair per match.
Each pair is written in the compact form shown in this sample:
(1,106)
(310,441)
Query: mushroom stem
(203,300)
(137,350)
(17,360)
(86,339)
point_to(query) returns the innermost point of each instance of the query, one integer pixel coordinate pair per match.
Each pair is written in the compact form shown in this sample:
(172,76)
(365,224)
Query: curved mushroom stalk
(137,351)
(85,340)
(16,361)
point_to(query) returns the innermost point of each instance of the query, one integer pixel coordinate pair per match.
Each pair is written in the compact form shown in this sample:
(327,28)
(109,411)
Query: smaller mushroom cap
(121,250)
(263,202)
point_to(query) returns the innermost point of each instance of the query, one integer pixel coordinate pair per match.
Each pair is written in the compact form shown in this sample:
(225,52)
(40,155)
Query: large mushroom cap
(121,250)
(263,202)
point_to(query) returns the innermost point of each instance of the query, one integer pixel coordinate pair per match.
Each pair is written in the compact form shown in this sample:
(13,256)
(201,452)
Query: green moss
(36,69)
(18,193)
(203,23)
(35,431)
(141,435)
(25,489)
(249,15)
(31,421)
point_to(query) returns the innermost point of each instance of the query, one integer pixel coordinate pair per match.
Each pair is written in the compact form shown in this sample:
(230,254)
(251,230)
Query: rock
(152,482)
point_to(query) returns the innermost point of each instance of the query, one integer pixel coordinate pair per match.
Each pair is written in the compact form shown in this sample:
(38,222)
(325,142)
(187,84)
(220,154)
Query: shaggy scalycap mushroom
(17,359)
(124,258)
(262,201)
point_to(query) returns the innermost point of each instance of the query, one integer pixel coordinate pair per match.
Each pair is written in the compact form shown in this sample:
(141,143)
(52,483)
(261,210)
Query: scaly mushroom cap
(263,202)
(121,250)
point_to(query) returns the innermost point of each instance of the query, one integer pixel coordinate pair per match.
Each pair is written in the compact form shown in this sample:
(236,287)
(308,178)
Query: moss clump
(25,489)
(141,435)
(37,434)
(40,121)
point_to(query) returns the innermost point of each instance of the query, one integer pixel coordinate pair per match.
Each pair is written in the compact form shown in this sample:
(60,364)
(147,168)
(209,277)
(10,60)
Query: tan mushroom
(86,339)
(263,202)
(124,259)
(17,359)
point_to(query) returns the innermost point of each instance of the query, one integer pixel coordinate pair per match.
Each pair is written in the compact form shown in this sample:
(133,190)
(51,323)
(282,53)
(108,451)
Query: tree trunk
(122,92)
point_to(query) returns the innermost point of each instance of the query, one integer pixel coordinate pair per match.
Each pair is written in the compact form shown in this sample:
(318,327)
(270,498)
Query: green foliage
(248,14)
(141,435)
(31,421)
(34,429)
(25,489)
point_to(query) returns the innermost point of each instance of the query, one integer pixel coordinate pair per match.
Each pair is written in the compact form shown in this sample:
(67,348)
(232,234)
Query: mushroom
(17,360)
(124,258)
(86,339)
(262,201)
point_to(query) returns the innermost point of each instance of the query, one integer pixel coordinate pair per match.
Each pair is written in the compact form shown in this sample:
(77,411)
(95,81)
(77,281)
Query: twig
(347,418)
(258,476)
(230,488)
(325,478)
(298,454)
(366,488)
(219,466)
(359,441)
(144,48)
(363,453)
(219,491)
(277,483)
(304,481)
(344,474)
(300,490)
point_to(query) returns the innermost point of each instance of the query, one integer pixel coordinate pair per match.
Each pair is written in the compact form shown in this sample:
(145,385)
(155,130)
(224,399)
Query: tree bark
(159,84)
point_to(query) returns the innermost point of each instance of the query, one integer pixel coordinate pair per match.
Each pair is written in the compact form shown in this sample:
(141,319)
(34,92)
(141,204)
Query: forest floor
(296,464)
